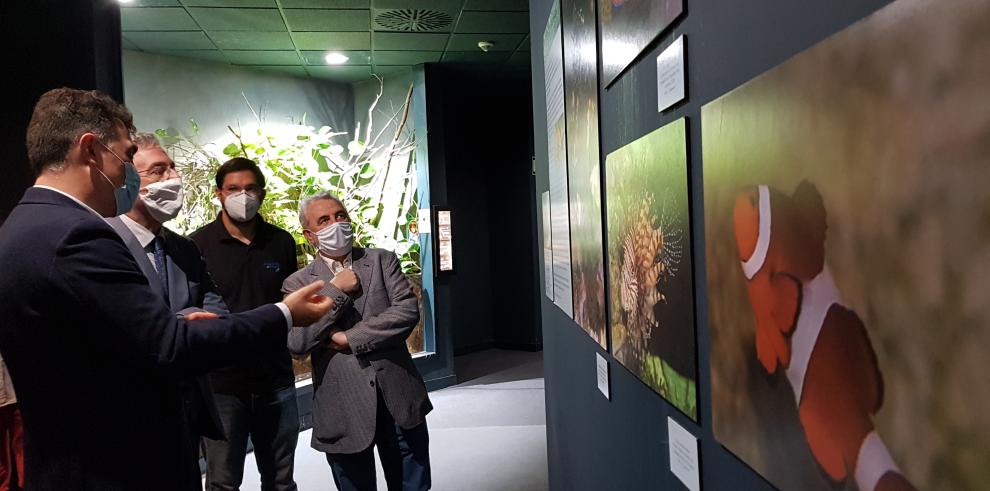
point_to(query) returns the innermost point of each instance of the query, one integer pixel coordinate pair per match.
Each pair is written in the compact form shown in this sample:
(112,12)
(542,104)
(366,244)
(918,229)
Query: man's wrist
(285,312)
(340,297)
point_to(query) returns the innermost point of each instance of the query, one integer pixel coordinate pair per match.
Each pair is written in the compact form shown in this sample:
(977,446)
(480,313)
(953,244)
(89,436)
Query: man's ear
(311,238)
(88,147)
(219,195)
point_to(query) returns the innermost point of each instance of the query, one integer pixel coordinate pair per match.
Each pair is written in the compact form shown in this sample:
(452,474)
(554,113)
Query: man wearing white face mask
(368,392)
(175,270)
(249,258)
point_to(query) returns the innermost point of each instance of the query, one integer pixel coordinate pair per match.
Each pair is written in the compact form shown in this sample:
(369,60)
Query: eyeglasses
(122,161)
(252,189)
(159,171)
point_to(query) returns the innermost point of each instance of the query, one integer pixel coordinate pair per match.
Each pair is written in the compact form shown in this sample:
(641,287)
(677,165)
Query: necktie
(160,264)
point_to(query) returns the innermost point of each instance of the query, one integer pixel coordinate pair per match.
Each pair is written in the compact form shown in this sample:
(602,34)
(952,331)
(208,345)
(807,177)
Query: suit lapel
(178,286)
(139,254)
(361,265)
(318,270)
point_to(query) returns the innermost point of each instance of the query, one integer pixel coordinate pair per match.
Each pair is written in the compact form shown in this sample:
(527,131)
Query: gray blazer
(190,289)
(377,321)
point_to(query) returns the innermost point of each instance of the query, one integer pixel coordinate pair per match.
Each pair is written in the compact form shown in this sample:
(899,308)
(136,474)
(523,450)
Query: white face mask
(336,240)
(242,207)
(163,199)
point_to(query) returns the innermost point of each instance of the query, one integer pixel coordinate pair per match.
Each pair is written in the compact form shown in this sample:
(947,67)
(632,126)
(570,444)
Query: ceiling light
(335,59)
(125,1)
(485,45)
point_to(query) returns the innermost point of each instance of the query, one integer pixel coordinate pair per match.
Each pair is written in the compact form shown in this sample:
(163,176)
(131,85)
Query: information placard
(602,369)
(670,75)
(683,455)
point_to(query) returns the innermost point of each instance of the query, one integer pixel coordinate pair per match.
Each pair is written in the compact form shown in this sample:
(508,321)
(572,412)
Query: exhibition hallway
(488,433)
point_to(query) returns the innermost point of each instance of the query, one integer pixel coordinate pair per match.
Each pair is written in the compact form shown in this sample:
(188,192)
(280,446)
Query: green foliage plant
(365,170)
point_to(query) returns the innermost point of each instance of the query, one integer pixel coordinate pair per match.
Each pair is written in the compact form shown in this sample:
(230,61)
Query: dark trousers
(11,449)
(272,422)
(405,456)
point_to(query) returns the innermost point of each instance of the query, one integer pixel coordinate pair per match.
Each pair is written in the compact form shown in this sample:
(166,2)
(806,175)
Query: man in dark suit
(368,392)
(94,351)
(175,270)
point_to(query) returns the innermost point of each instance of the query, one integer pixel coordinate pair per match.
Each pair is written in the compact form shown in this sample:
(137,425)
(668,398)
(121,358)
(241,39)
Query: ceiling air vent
(412,20)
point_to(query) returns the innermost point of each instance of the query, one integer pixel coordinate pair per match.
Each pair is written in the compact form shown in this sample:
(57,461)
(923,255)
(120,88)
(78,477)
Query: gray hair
(146,140)
(304,204)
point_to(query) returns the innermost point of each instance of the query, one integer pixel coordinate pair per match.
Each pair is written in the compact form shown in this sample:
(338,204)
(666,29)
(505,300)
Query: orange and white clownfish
(804,327)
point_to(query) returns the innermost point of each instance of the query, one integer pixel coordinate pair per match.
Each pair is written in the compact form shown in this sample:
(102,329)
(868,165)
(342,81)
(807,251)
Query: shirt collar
(73,198)
(337,266)
(143,235)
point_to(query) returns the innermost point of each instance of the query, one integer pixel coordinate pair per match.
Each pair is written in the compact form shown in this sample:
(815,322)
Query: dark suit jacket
(190,288)
(96,354)
(377,322)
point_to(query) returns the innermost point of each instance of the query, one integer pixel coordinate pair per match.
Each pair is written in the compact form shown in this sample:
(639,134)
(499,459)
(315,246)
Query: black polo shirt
(249,276)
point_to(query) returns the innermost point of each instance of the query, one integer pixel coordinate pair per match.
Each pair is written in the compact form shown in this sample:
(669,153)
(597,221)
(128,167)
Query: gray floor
(487,433)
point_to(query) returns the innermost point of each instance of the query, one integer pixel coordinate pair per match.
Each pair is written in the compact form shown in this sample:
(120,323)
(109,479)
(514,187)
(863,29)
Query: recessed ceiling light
(125,1)
(335,59)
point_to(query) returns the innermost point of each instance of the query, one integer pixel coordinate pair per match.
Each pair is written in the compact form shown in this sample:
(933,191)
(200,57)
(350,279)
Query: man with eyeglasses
(175,270)
(249,258)
(96,354)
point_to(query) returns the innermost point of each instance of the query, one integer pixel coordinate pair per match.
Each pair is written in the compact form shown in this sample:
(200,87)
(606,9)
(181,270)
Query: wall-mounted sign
(670,75)
(445,241)
(601,367)
(683,450)
(424,220)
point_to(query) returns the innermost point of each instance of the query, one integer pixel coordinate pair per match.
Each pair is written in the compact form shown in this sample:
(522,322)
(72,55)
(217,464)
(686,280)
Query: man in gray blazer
(368,392)
(175,271)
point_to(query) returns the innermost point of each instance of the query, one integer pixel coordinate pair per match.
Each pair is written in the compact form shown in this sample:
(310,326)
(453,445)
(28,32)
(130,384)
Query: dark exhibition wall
(480,143)
(473,131)
(51,44)
(865,140)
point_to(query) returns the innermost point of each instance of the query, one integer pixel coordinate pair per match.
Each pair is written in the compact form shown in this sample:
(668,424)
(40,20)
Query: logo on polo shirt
(272,266)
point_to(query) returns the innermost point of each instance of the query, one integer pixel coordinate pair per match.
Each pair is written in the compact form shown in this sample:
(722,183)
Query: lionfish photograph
(650,284)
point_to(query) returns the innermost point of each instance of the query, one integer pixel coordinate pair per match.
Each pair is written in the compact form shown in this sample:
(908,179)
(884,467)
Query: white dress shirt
(337,266)
(73,198)
(144,237)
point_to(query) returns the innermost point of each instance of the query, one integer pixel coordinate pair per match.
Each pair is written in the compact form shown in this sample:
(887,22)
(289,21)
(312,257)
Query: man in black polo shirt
(249,259)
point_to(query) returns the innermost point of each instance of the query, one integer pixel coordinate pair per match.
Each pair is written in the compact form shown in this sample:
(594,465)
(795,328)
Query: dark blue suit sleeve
(121,311)
(212,300)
